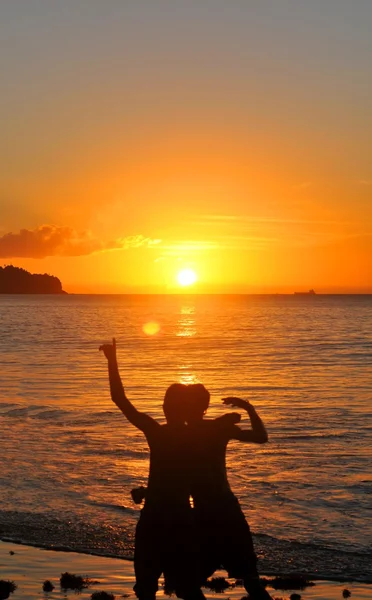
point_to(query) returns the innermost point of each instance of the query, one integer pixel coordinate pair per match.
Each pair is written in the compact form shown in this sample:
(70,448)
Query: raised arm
(257,434)
(138,419)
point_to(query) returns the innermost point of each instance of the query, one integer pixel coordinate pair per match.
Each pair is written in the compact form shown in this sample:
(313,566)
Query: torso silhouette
(210,488)
(168,490)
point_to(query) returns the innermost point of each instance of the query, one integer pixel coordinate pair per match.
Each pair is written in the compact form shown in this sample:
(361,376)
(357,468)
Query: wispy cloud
(259,232)
(52,240)
(178,248)
(244,219)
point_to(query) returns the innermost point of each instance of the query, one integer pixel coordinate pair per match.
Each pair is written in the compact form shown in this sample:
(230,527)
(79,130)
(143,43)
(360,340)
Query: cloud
(260,219)
(51,240)
(191,248)
(189,245)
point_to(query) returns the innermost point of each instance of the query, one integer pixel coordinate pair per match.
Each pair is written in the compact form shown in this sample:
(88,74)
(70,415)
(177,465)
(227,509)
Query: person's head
(174,404)
(197,401)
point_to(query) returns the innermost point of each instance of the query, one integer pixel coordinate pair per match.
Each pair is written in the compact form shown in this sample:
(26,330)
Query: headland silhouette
(14,280)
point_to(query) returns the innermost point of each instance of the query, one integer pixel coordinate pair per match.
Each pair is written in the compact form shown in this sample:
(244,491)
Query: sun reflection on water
(186,321)
(187,375)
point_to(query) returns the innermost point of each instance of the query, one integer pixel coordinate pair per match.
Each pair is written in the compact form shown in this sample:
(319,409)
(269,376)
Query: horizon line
(301,294)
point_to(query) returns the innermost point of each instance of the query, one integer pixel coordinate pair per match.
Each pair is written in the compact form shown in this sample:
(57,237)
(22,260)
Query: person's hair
(174,402)
(198,398)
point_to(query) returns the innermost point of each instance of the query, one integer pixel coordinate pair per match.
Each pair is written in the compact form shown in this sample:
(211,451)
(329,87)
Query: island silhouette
(14,280)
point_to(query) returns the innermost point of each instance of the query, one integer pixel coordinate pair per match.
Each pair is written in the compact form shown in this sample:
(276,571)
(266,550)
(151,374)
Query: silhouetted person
(165,540)
(224,535)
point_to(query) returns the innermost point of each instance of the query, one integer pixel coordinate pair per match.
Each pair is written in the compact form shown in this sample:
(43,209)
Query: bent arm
(258,433)
(258,428)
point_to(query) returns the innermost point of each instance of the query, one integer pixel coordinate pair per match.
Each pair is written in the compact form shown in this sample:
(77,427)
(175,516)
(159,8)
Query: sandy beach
(29,567)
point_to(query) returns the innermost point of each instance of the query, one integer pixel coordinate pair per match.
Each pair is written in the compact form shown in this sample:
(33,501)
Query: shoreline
(7,542)
(65,549)
(277,557)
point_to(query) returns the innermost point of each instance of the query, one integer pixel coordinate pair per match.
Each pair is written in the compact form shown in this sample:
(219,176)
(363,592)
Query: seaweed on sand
(6,588)
(218,584)
(75,582)
(48,586)
(288,582)
(102,596)
(215,584)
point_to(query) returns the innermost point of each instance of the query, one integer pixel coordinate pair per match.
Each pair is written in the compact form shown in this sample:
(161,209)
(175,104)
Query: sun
(186,277)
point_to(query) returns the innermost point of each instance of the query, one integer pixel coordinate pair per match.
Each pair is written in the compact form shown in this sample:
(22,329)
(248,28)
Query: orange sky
(231,138)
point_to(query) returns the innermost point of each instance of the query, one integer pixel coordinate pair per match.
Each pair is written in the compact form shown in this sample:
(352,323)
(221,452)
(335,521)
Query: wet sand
(29,567)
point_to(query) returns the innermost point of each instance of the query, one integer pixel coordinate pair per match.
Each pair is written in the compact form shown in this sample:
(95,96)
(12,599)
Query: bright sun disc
(186,277)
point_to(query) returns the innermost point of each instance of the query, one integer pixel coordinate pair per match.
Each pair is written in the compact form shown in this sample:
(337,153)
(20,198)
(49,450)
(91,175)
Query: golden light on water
(187,374)
(151,328)
(186,277)
(186,322)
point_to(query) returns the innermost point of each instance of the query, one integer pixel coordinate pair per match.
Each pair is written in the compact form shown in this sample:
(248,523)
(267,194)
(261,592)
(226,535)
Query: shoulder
(222,427)
(149,426)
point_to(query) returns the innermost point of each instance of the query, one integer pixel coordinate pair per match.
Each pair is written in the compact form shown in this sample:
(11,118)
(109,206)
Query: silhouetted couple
(187,459)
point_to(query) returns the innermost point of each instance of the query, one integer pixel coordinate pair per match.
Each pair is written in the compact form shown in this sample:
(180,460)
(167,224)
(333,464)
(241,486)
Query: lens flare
(186,277)
(151,328)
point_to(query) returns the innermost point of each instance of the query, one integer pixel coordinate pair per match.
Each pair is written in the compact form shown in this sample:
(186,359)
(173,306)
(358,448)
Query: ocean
(69,459)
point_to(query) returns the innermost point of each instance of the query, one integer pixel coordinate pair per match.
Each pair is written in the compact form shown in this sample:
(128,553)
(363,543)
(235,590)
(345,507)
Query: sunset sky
(143,137)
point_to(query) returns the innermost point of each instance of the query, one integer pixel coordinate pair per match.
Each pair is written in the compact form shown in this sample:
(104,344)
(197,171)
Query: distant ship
(309,293)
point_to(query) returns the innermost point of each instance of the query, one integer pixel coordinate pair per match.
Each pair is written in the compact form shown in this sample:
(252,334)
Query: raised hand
(109,350)
(236,402)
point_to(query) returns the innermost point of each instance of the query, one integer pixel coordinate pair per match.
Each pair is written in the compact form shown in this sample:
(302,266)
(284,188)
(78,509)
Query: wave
(115,507)
(315,546)
(310,436)
(17,412)
(50,414)
(35,411)
(362,486)
(6,404)
(117,452)
(47,412)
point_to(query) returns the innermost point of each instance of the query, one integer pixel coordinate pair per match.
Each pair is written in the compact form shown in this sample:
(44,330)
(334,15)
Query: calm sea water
(69,458)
